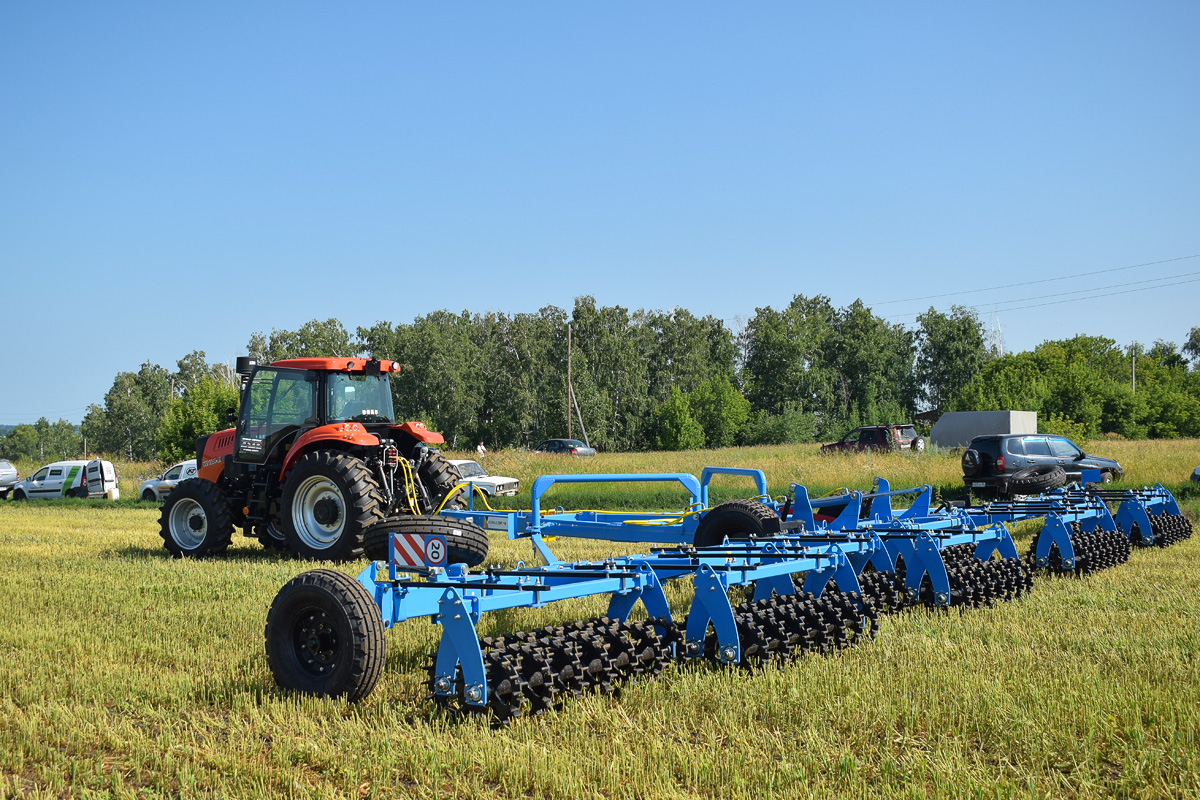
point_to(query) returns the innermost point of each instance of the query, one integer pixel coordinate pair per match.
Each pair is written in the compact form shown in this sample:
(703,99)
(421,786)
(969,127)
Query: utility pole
(1133,370)
(570,388)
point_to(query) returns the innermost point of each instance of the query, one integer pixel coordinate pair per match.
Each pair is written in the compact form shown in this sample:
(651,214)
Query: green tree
(677,430)
(722,411)
(950,352)
(313,339)
(200,411)
(1191,347)
(127,423)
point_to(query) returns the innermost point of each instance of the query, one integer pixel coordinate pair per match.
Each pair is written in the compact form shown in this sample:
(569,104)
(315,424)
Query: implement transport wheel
(195,519)
(1035,480)
(466,542)
(324,636)
(328,500)
(439,476)
(737,519)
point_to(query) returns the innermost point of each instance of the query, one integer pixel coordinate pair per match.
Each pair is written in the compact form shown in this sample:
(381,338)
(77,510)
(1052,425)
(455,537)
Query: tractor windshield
(358,398)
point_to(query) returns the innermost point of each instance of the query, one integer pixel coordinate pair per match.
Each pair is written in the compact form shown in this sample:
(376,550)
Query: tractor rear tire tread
(360,491)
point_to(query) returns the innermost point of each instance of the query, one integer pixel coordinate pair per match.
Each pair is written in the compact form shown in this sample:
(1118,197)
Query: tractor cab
(288,397)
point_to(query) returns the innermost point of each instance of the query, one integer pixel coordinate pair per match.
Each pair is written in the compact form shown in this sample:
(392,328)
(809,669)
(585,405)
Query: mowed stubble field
(129,674)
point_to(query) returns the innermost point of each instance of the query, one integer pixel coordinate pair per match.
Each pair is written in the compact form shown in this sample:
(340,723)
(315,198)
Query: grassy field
(128,674)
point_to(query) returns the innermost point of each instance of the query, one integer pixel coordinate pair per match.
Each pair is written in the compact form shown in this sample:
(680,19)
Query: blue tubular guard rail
(544,482)
(706,476)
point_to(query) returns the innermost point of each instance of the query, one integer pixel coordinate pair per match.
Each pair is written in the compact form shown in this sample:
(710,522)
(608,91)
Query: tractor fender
(418,431)
(212,460)
(343,434)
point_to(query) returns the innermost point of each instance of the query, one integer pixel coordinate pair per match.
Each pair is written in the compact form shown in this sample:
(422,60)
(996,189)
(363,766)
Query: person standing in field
(481,451)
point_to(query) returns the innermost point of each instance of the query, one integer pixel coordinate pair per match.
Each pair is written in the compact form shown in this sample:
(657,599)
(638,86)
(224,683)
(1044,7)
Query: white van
(93,478)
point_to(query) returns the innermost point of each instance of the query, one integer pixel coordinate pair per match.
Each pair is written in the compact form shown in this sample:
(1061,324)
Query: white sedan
(491,485)
(155,489)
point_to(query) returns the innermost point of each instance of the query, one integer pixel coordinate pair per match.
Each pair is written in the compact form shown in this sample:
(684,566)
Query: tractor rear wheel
(324,636)
(328,500)
(466,542)
(439,477)
(738,520)
(195,519)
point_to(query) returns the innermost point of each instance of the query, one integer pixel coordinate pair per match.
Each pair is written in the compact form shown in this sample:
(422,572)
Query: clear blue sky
(177,176)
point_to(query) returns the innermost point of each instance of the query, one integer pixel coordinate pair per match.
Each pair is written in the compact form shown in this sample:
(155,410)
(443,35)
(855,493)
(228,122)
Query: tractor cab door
(278,403)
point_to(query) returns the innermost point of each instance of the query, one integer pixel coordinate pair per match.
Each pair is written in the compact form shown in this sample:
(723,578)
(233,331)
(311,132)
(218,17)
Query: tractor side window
(277,399)
(293,401)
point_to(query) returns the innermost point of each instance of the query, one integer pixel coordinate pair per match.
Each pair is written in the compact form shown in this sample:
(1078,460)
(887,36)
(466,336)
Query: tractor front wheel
(329,498)
(324,636)
(195,519)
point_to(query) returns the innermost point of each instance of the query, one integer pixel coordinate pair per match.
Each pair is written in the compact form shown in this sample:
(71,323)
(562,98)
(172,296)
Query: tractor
(316,465)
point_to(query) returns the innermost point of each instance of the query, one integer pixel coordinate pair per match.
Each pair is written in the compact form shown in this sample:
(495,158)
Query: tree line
(669,380)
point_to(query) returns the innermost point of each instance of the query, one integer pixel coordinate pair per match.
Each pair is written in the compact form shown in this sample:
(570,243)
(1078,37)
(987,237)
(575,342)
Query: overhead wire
(997,306)
(1031,283)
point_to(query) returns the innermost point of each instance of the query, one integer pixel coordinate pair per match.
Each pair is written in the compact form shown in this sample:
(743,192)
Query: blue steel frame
(456,598)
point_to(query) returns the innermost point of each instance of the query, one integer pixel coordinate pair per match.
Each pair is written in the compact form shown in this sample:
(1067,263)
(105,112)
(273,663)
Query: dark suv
(1028,463)
(878,437)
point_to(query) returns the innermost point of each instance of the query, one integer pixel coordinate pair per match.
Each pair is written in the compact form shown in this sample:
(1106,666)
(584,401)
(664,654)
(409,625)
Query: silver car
(8,477)
(158,487)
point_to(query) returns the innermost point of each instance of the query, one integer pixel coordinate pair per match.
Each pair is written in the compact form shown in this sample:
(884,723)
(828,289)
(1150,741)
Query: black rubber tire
(192,503)
(324,636)
(439,476)
(1106,477)
(466,542)
(80,492)
(351,497)
(918,444)
(270,535)
(971,464)
(148,496)
(1035,480)
(19,494)
(737,519)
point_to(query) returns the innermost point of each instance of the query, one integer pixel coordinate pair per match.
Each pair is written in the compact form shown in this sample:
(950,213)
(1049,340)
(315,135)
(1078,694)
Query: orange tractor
(315,465)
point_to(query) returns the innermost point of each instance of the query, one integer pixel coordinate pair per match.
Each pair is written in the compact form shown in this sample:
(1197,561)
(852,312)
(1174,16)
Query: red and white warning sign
(418,550)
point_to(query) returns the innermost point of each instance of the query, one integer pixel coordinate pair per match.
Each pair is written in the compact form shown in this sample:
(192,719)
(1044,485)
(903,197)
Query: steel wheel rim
(307,510)
(315,642)
(183,514)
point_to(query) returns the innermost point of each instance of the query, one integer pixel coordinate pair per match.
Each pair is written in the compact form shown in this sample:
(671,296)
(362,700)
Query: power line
(1077,299)
(1031,283)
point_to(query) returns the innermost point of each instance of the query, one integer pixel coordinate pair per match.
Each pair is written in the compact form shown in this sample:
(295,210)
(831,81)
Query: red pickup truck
(878,437)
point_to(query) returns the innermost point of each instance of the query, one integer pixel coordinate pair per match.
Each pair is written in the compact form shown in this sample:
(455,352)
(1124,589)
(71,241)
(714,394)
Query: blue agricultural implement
(817,573)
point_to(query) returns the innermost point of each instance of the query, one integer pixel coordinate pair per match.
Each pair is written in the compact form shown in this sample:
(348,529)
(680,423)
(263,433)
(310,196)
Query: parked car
(878,437)
(490,485)
(1028,463)
(8,477)
(93,478)
(572,446)
(155,489)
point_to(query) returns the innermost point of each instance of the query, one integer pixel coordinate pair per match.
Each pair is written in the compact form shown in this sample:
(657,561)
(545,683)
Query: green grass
(128,674)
